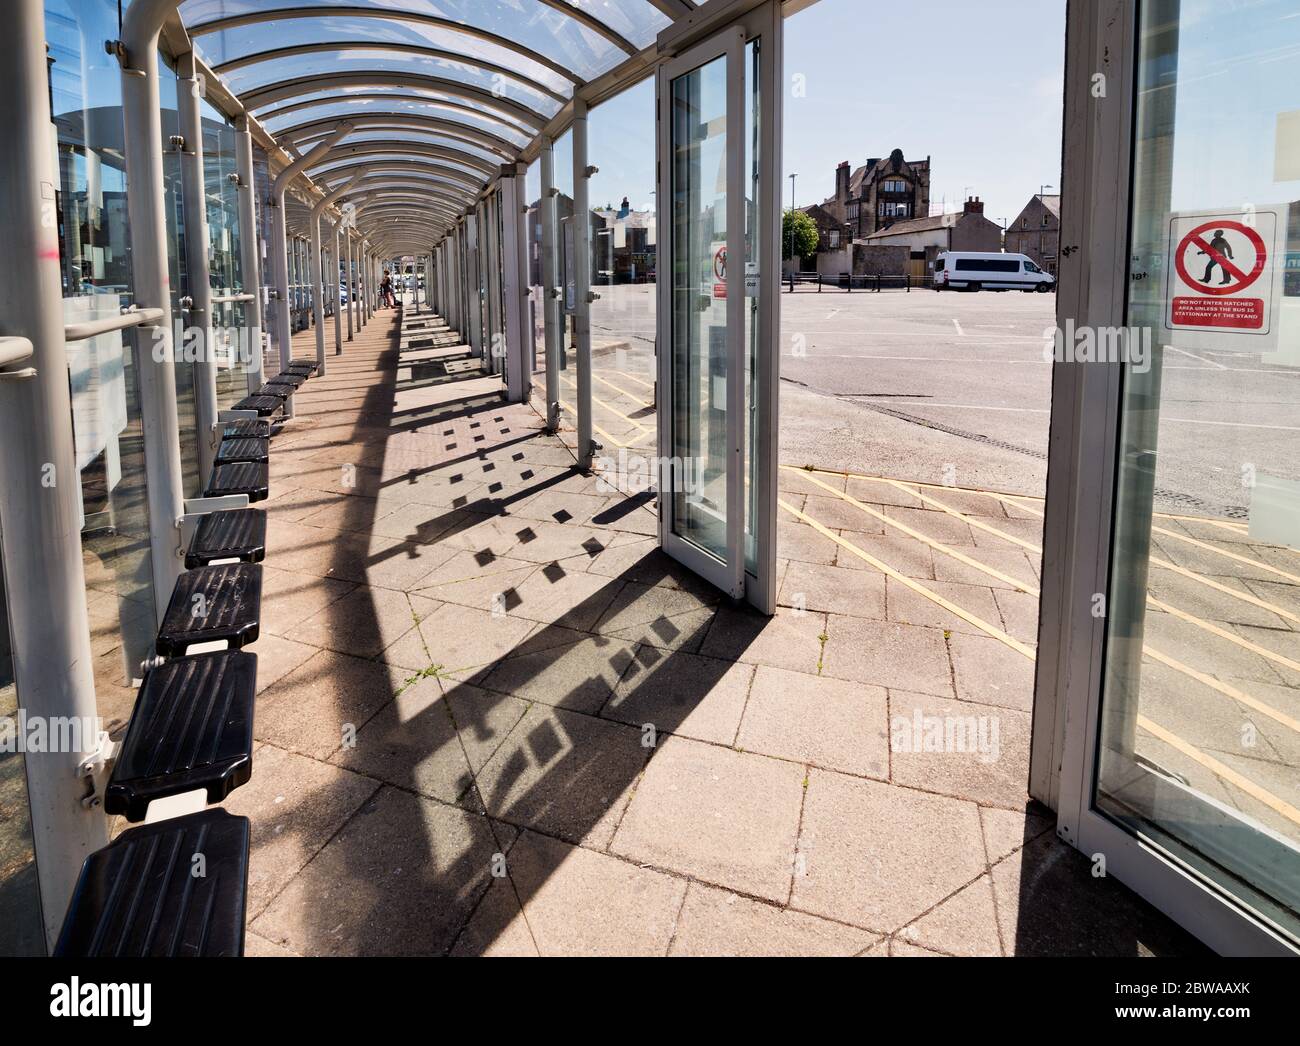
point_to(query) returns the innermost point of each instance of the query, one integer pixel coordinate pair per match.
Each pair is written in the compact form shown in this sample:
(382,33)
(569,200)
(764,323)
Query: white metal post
(317,268)
(250,262)
(515,289)
(350,283)
(40,520)
(551,290)
(582,281)
(156,373)
(334,290)
(195,204)
(279,244)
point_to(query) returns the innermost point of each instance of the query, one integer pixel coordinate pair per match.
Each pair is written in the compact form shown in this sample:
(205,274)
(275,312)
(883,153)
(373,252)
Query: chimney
(842,173)
(974,206)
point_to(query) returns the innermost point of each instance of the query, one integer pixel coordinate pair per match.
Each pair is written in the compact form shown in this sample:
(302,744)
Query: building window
(894,210)
(853,212)
(895,185)
(835,239)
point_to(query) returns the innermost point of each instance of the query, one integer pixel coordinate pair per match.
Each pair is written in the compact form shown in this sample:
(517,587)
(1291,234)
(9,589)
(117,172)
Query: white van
(971,271)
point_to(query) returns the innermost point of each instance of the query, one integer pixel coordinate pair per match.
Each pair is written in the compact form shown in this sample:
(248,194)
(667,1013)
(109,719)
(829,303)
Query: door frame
(684,48)
(1102,39)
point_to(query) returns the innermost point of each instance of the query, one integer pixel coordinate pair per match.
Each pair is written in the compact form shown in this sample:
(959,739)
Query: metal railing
(16,350)
(849,282)
(130,317)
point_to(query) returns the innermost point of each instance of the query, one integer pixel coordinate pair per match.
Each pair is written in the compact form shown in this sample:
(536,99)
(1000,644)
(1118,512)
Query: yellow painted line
(1223,688)
(1220,770)
(1209,626)
(959,556)
(1191,575)
(613,410)
(915,586)
(1182,615)
(609,436)
(639,381)
(1245,597)
(623,392)
(915,483)
(1248,560)
(1226,773)
(970,520)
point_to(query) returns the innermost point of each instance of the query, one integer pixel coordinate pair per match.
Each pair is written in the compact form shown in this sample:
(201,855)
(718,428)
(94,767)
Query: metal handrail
(131,317)
(229,299)
(15,350)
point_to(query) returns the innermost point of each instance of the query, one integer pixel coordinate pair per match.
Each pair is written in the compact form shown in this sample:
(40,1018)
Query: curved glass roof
(441,93)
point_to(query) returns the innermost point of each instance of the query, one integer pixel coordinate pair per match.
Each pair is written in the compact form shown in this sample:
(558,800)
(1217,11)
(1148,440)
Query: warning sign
(720,271)
(1224,278)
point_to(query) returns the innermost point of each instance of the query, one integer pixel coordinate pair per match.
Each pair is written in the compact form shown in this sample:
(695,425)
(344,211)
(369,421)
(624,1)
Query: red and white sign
(720,271)
(1224,279)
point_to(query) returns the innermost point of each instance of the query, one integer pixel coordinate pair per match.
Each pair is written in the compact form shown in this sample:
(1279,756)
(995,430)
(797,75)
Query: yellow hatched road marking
(1201,677)
(634,398)
(915,586)
(1217,768)
(959,556)
(1220,770)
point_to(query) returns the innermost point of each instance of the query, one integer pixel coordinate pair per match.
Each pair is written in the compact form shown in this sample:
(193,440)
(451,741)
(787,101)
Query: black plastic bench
(247,477)
(191,728)
(177,888)
(234,534)
(212,604)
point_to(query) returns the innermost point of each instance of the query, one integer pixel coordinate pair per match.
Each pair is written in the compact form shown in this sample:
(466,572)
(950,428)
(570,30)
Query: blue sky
(974,85)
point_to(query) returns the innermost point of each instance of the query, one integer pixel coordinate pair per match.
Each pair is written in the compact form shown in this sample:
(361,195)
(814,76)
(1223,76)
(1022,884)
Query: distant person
(1223,248)
(386,291)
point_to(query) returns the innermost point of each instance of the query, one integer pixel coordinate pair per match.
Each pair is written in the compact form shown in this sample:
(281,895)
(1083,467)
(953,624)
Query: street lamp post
(792,178)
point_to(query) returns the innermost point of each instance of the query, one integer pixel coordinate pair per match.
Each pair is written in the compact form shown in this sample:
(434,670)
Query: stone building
(1036,232)
(877,195)
(924,238)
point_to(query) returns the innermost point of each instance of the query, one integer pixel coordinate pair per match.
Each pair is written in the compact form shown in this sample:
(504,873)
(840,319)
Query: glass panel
(345,103)
(753,246)
(416,136)
(85,88)
(252,78)
(21,929)
(536,294)
(179,277)
(536,26)
(218,48)
(621,143)
(224,263)
(1199,748)
(699,305)
(634,20)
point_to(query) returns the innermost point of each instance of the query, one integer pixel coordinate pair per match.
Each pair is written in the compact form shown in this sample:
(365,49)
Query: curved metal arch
(398,222)
(432,171)
(387,166)
(387,206)
(447,128)
(368,96)
(403,188)
(435,53)
(434,152)
(408,206)
(261,96)
(392,14)
(411,181)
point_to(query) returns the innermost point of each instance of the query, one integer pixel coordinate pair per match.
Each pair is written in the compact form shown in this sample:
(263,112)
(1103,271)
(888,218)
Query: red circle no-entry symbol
(1240,278)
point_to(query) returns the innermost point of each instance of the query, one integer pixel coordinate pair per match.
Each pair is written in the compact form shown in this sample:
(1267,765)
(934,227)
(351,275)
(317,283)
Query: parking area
(913,467)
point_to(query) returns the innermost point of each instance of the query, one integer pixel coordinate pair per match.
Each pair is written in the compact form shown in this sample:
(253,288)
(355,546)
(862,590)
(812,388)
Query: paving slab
(817,720)
(728,818)
(879,856)
(682,693)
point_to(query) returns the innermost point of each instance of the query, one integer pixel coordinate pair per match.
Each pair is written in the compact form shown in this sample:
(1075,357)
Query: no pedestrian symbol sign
(1224,279)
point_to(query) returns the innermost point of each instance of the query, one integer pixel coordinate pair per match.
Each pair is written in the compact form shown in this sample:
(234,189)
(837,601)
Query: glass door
(718,306)
(1191,778)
